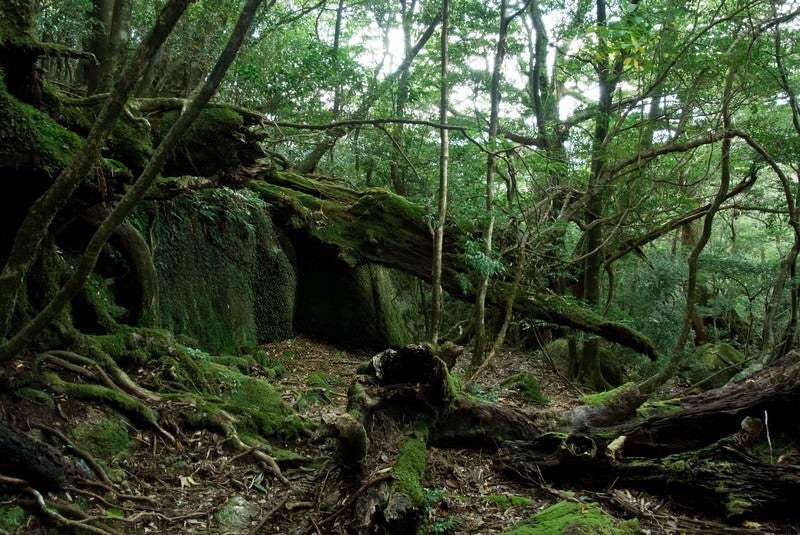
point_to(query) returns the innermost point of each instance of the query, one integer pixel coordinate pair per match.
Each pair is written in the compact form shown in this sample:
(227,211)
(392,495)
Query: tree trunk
(99,45)
(698,449)
(444,157)
(479,309)
(18,53)
(380,227)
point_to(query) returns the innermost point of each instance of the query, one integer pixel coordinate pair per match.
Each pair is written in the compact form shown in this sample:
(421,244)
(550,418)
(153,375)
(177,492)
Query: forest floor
(202,488)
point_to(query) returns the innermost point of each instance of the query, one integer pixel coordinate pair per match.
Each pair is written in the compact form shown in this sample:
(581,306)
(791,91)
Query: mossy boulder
(353,306)
(223,277)
(573,518)
(714,364)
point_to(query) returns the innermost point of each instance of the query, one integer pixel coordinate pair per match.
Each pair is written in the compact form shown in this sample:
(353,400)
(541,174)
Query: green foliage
(12,517)
(476,259)
(488,394)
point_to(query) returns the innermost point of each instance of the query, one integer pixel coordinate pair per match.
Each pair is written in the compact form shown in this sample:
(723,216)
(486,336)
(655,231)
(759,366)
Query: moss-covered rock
(224,278)
(714,364)
(31,139)
(572,518)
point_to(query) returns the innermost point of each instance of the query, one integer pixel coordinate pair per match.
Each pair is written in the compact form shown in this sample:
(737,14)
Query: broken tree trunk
(708,451)
(380,227)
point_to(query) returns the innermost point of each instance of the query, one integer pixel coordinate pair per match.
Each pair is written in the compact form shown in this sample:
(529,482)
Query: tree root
(108,392)
(223,423)
(87,458)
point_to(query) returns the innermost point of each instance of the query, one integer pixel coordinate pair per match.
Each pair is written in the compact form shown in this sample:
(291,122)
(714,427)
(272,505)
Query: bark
(37,222)
(99,45)
(139,189)
(36,462)
(18,51)
(698,449)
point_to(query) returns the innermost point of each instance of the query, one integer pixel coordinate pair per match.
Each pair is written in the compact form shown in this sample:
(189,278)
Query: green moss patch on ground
(572,518)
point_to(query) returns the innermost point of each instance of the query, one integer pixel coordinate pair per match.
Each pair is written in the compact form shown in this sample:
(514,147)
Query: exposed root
(89,459)
(107,392)
(121,379)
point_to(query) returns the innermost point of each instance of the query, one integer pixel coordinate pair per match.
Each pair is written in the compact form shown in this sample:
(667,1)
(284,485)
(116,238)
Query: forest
(411,266)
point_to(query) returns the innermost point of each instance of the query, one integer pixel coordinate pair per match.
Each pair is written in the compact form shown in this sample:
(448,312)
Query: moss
(30,138)
(259,409)
(526,383)
(12,517)
(210,121)
(352,306)
(409,468)
(240,288)
(714,364)
(608,397)
(103,395)
(131,143)
(508,500)
(98,294)
(36,396)
(105,438)
(574,519)
(737,505)
(658,407)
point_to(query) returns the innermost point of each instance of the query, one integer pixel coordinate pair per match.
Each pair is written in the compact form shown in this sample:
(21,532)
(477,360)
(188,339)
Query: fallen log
(377,226)
(709,452)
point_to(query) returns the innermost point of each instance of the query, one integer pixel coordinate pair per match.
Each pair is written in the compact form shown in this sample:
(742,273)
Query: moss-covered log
(377,226)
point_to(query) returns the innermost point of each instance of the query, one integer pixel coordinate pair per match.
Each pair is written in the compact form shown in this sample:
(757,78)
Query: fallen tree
(380,227)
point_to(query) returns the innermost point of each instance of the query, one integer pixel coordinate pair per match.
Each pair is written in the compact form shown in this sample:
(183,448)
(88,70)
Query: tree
(444,156)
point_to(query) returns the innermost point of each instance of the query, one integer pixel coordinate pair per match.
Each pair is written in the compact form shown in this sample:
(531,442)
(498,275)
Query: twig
(271,512)
(766,428)
(63,521)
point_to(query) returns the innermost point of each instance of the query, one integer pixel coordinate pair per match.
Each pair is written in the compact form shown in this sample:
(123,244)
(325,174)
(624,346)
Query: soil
(184,489)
